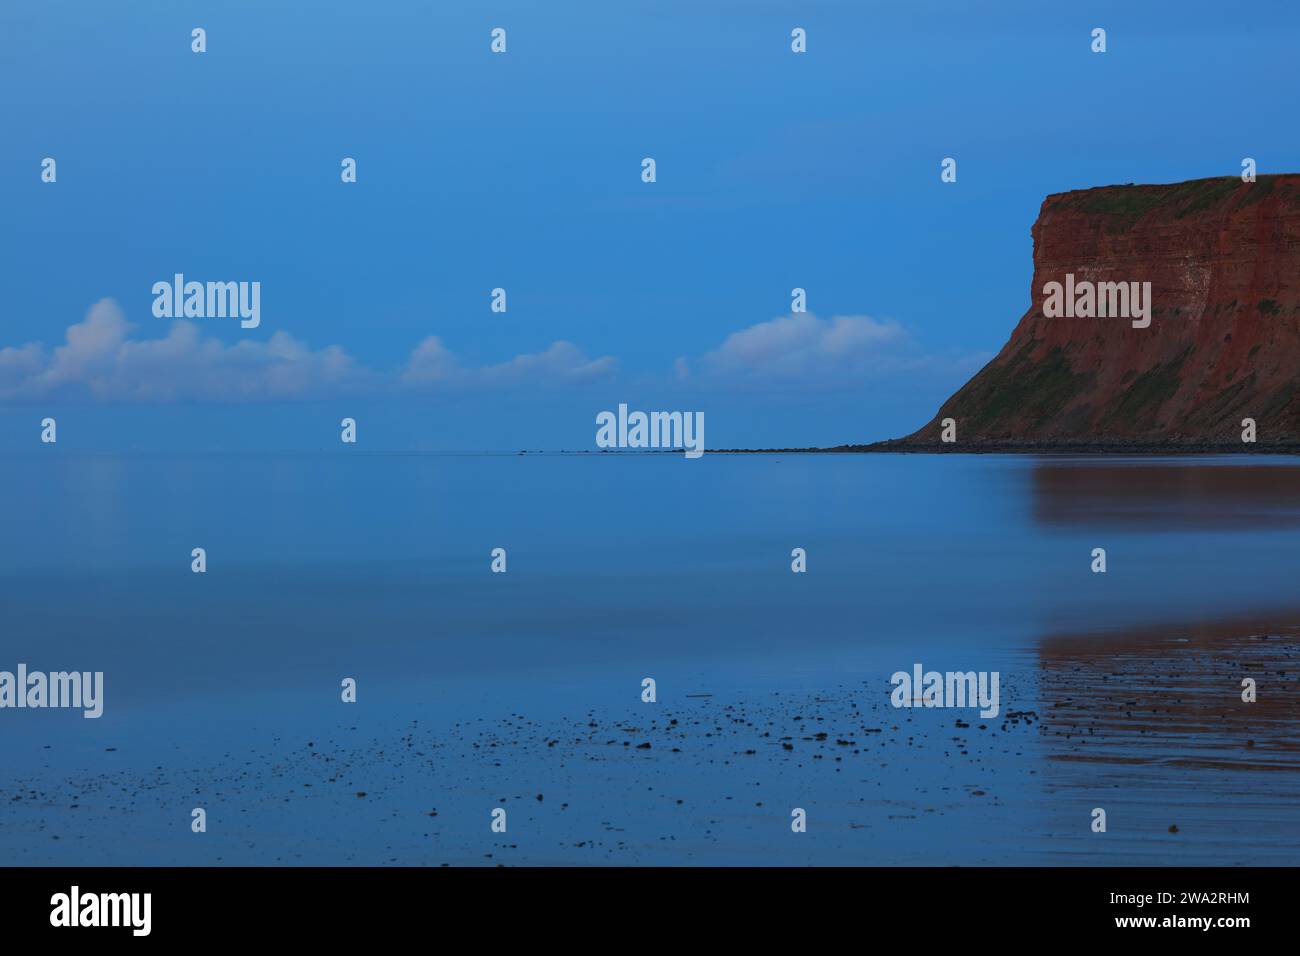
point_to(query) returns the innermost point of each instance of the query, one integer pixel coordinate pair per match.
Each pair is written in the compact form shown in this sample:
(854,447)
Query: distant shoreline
(1037,448)
(895,446)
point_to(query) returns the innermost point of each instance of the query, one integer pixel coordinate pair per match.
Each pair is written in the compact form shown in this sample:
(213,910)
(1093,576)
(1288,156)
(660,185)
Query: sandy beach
(1147,726)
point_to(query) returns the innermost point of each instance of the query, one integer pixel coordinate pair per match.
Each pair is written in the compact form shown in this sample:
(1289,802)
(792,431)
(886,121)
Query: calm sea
(478,690)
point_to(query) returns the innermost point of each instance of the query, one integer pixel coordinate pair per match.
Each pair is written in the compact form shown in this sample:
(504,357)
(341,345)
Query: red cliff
(1223,260)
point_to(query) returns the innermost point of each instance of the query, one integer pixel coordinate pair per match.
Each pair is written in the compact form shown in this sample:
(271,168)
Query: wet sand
(1148,725)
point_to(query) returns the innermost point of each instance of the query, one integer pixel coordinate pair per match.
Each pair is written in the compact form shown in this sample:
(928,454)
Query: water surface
(479,690)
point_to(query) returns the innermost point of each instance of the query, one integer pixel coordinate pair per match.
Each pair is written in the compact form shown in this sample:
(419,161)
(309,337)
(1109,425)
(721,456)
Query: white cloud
(100,358)
(432,364)
(843,349)
(17,365)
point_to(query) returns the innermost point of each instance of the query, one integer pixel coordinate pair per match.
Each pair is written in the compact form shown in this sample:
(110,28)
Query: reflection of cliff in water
(1174,494)
(1149,724)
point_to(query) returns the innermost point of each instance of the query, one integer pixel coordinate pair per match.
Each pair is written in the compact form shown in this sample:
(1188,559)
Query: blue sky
(522,171)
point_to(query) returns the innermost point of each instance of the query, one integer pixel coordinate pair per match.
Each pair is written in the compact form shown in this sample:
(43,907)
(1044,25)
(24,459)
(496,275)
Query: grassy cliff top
(1184,199)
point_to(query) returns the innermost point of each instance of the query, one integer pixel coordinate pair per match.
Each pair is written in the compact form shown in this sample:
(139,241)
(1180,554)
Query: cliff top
(1134,200)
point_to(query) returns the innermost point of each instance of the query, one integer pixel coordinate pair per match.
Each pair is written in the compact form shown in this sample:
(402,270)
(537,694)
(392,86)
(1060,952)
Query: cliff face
(1223,344)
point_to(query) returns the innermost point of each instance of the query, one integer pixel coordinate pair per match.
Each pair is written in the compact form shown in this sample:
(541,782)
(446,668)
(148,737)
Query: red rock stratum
(1223,260)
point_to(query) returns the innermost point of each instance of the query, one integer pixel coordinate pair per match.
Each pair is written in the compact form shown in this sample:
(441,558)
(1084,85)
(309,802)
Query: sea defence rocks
(1222,257)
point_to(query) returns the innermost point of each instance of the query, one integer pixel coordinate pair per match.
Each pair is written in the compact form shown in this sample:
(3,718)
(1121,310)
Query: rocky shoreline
(1032,447)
